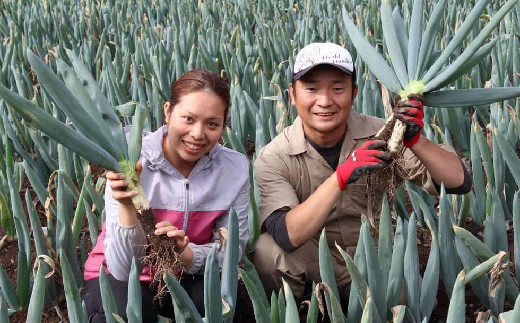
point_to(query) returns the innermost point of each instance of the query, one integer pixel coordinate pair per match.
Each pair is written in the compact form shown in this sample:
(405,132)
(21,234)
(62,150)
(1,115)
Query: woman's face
(195,125)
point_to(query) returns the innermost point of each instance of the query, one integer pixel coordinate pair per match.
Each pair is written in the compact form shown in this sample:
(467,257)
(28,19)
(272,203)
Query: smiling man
(314,175)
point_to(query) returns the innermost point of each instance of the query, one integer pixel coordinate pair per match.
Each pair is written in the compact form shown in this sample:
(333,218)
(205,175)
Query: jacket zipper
(187,186)
(186,210)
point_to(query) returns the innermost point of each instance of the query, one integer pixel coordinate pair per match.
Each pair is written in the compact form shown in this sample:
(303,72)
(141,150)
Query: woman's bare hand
(168,229)
(119,185)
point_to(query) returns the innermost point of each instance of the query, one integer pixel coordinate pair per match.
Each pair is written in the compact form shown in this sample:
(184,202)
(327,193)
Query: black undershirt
(275,223)
(329,153)
(277,227)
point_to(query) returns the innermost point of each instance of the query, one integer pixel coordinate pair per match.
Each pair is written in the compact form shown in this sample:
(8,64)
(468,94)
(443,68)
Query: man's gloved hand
(411,113)
(364,159)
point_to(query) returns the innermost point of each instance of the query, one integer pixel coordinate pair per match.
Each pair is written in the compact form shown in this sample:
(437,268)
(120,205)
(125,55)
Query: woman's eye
(213,124)
(188,119)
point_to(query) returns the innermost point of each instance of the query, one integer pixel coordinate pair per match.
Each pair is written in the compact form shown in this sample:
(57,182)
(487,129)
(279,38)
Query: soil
(244,311)
(9,260)
(161,255)
(473,304)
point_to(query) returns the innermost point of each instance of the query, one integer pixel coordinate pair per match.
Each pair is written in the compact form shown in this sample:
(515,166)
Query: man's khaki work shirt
(289,170)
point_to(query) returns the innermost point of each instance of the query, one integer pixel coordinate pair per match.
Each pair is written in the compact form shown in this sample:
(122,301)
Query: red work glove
(411,113)
(364,159)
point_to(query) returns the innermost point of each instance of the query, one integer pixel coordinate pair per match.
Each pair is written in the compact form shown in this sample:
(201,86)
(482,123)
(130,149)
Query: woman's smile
(193,146)
(195,125)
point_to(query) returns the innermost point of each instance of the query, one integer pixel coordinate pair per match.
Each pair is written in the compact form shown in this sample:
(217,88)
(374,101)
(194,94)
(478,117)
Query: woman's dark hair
(200,80)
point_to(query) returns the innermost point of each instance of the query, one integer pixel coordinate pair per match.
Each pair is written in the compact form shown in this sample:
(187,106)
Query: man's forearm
(443,166)
(305,220)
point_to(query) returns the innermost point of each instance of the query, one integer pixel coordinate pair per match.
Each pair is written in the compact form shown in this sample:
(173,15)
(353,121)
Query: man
(314,174)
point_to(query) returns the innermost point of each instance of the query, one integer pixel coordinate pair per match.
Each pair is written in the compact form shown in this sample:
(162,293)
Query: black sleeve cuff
(464,188)
(277,228)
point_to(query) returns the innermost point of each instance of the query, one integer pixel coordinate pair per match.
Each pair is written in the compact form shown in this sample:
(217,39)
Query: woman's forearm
(127,215)
(187,257)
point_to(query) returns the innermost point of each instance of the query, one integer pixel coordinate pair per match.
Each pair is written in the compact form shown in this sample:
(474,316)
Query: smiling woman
(195,125)
(191,182)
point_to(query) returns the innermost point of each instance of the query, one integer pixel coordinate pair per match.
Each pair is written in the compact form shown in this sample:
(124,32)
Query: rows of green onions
(69,68)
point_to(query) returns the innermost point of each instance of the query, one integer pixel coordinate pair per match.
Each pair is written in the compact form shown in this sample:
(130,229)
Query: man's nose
(324,99)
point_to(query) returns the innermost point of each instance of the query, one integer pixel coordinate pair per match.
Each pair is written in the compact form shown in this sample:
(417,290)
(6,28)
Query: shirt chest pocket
(307,176)
(354,200)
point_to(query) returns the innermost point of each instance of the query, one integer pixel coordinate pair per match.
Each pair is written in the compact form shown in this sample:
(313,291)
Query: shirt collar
(361,126)
(296,138)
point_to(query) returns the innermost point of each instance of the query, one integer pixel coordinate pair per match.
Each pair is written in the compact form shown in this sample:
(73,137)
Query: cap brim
(302,72)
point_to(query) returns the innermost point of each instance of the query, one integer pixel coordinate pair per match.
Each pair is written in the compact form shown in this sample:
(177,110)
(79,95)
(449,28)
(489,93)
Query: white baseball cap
(322,53)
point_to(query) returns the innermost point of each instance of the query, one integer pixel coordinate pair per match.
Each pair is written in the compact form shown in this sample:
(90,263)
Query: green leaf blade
(455,42)
(68,103)
(376,63)
(34,313)
(108,113)
(414,44)
(59,131)
(469,97)
(392,43)
(212,300)
(182,303)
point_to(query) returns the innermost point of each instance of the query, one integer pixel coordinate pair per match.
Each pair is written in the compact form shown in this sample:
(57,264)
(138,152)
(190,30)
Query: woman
(191,182)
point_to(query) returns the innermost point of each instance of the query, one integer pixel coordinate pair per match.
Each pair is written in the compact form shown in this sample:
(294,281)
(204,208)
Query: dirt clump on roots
(385,133)
(392,175)
(160,255)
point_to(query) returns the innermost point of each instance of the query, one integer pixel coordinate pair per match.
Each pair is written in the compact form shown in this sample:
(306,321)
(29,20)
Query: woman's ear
(167,111)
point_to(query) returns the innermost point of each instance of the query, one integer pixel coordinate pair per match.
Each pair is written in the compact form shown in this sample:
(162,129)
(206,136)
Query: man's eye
(311,89)
(212,124)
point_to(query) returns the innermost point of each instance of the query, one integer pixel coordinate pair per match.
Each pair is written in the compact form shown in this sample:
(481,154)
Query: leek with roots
(88,109)
(413,71)
(80,98)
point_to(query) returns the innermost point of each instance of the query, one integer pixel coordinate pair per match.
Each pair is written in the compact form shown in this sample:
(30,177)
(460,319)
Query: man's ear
(292,94)
(354,92)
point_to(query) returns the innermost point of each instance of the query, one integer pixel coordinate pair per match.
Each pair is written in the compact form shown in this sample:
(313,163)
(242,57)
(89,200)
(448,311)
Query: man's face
(323,98)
